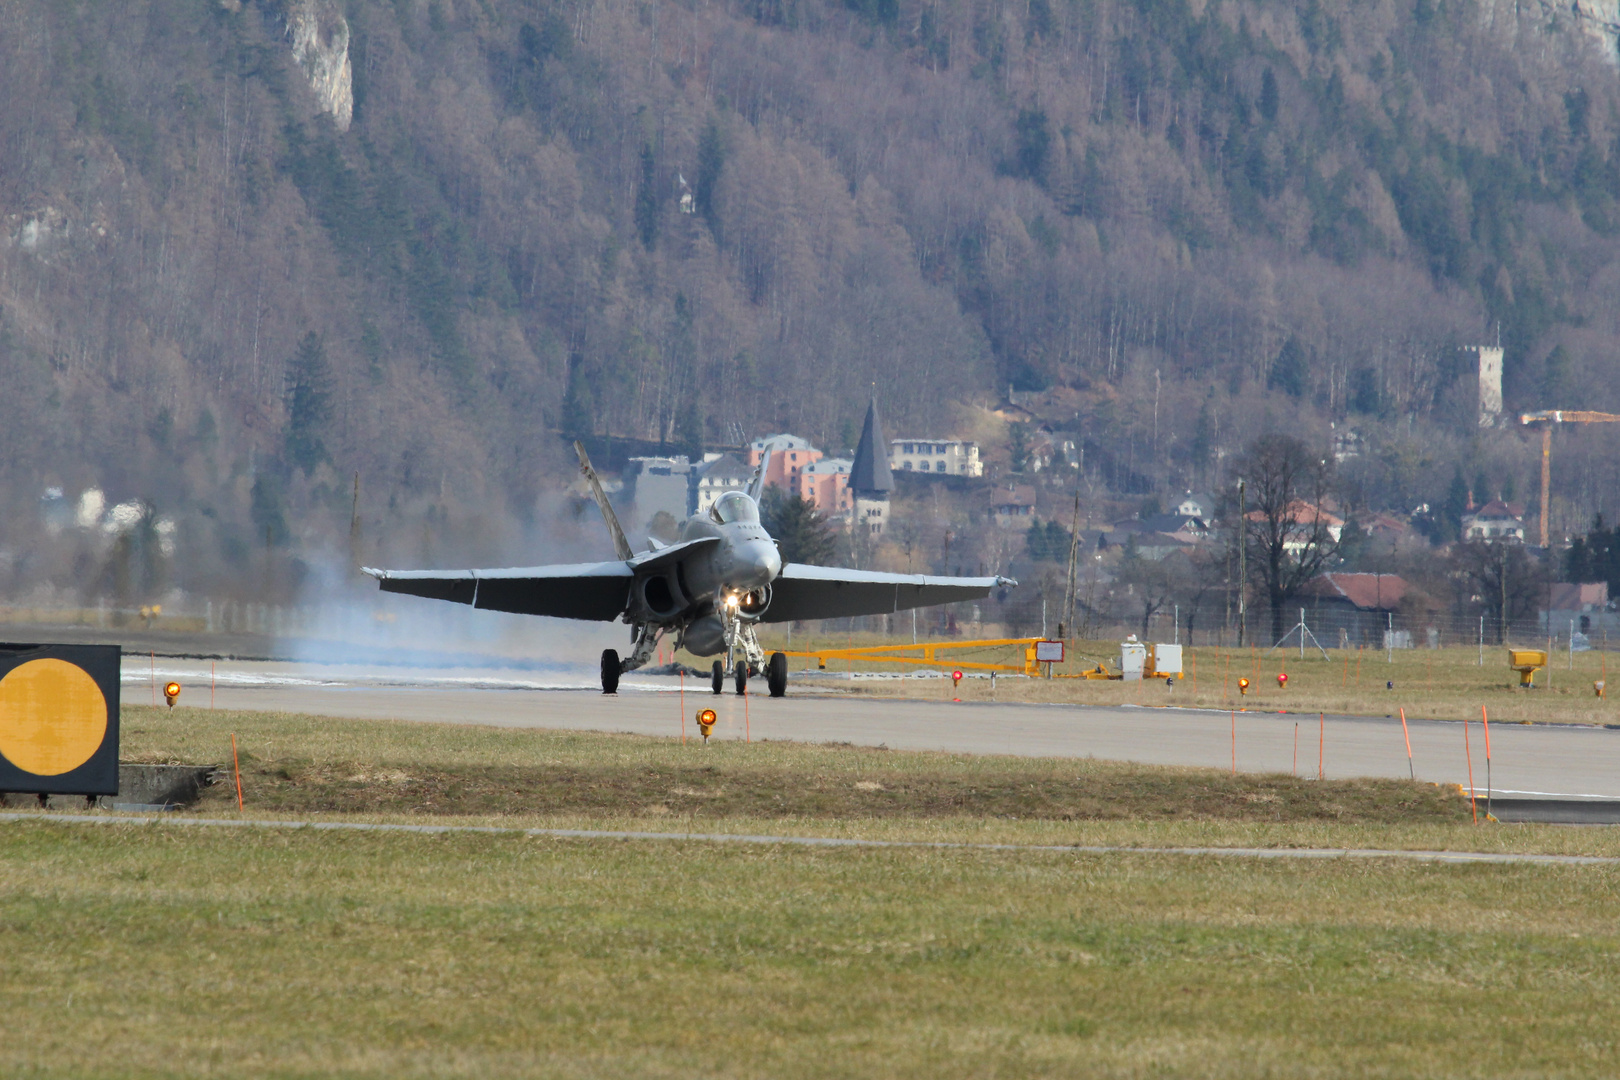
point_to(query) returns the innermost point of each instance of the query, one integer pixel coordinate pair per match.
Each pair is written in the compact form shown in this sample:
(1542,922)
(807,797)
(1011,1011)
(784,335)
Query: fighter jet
(710,589)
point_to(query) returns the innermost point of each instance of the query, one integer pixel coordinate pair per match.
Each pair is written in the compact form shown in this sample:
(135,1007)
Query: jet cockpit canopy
(732,507)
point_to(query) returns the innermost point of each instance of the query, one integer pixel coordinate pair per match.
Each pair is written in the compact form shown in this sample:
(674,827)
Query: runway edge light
(171,692)
(705,722)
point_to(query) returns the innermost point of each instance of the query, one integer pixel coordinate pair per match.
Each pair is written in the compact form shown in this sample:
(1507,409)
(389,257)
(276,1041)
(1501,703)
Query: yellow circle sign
(53,717)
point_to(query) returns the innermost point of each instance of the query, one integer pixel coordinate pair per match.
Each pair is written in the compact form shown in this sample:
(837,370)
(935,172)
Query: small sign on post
(1049,653)
(59,719)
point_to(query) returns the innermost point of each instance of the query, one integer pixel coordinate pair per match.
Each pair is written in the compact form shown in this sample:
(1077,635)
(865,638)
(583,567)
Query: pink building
(800,469)
(790,456)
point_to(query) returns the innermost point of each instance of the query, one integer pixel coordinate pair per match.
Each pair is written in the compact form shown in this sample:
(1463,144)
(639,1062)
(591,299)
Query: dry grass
(308,764)
(153,951)
(142,949)
(1447,684)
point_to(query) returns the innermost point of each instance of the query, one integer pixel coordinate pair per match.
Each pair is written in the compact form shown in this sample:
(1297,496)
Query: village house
(1302,519)
(719,474)
(1013,506)
(1496,520)
(937,457)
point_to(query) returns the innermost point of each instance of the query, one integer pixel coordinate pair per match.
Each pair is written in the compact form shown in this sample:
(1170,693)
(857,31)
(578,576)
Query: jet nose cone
(757,562)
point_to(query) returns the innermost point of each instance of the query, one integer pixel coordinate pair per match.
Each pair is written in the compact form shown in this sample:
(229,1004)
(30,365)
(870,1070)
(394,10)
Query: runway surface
(160,820)
(1543,760)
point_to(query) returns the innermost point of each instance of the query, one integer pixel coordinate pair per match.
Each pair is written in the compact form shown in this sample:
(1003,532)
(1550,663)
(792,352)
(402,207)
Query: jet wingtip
(371,571)
(1005,580)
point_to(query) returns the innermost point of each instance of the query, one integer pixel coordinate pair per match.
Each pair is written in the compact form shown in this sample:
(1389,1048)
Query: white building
(1496,520)
(949,457)
(719,474)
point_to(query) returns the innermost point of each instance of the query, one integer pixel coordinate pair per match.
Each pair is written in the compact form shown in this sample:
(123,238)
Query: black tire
(742,676)
(776,674)
(719,677)
(610,671)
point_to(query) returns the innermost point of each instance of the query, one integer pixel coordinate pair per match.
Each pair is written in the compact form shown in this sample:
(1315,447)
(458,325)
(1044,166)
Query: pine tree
(1456,505)
(802,534)
(647,200)
(309,407)
(689,429)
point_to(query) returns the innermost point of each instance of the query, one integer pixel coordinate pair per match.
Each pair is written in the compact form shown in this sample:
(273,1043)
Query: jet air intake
(661,594)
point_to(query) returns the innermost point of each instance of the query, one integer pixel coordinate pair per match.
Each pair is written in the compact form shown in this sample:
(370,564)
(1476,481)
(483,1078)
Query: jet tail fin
(621,546)
(756,486)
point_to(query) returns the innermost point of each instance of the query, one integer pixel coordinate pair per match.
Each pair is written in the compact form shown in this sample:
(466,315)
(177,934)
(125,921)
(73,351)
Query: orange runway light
(1243,686)
(1282,680)
(956,677)
(171,691)
(705,722)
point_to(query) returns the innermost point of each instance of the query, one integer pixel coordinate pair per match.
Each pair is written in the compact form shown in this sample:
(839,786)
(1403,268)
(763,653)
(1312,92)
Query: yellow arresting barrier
(929,652)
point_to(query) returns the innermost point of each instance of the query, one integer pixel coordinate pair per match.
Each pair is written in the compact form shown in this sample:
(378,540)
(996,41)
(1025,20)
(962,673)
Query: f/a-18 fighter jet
(710,589)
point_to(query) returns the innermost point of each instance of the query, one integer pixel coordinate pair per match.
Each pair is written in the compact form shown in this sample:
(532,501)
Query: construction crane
(1547,418)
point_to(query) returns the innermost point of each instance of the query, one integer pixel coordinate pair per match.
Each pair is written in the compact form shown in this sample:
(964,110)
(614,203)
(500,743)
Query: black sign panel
(59,719)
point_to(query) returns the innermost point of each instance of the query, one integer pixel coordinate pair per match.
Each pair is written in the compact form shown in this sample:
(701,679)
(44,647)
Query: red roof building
(1351,609)
(1365,592)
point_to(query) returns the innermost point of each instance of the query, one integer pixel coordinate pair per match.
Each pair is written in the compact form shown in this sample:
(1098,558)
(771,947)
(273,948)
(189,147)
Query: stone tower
(869,478)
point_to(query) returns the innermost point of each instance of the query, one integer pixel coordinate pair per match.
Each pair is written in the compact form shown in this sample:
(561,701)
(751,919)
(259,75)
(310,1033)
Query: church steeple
(870,475)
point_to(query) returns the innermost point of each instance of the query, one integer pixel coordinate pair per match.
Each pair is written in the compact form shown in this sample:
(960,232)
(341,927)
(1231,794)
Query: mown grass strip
(304,764)
(142,951)
(833,841)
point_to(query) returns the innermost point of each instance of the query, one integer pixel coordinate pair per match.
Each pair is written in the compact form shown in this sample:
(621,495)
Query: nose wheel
(610,671)
(742,676)
(719,676)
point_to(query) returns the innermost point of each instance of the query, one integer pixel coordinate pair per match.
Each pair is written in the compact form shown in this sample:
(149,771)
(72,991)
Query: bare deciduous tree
(1290,536)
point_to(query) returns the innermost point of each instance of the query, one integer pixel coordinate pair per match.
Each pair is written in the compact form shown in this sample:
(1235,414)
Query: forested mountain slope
(251,248)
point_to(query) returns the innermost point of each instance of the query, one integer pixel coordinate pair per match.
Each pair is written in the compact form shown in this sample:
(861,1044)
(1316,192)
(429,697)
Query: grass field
(1448,683)
(160,950)
(307,764)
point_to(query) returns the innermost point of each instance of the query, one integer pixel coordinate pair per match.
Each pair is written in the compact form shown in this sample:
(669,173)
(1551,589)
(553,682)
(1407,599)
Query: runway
(1543,760)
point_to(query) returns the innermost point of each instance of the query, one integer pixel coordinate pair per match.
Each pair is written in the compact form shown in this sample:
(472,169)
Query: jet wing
(668,553)
(595,591)
(828,592)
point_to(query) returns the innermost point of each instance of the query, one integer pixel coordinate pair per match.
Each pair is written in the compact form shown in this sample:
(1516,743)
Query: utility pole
(1074,554)
(1243,561)
(354,525)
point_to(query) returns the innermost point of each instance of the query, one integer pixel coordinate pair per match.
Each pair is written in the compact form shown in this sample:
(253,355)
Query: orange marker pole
(1234,743)
(1485,719)
(1195,673)
(212,679)
(748,730)
(1346,680)
(1472,801)
(237,765)
(1321,746)
(683,706)
(1408,735)
(154,677)
(1296,748)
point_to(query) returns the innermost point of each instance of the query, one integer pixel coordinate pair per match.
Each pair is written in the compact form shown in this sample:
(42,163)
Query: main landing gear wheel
(776,674)
(742,676)
(719,676)
(610,671)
